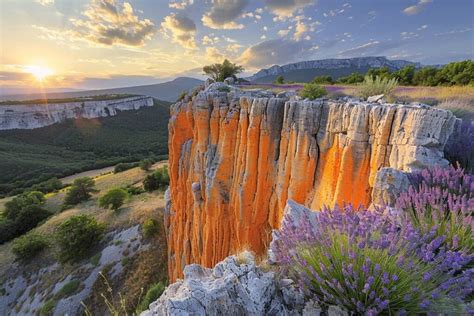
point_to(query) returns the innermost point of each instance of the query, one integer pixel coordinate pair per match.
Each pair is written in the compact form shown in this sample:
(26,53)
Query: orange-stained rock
(235,160)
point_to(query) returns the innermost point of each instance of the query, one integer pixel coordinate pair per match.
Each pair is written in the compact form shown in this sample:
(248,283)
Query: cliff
(236,158)
(333,67)
(30,116)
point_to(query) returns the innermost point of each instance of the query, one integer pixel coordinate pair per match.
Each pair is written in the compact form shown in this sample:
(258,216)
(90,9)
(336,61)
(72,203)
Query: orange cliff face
(235,160)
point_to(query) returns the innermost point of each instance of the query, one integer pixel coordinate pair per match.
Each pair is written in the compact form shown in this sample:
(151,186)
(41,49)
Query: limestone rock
(252,154)
(389,183)
(32,116)
(208,82)
(375,98)
(229,80)
(232,287)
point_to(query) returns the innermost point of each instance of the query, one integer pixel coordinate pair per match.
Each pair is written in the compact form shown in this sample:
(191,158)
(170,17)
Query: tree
(219,72)
(113,199)
(80,190)
(76,236)
(405,75)
(146,164)
(28,246)
(353,78)
(322,80)
(312,91)
(382,72)
(426,76)
(157,180)
(279,80)
(14,207)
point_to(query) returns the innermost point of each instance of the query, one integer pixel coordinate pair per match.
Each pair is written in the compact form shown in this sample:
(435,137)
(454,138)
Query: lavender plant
(460,146)
(440,201)
(368,263)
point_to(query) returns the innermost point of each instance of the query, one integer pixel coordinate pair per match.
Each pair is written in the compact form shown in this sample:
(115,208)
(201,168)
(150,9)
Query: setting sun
(39,72)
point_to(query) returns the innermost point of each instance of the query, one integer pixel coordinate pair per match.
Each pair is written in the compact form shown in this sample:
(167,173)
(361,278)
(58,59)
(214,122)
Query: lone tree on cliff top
(219,72)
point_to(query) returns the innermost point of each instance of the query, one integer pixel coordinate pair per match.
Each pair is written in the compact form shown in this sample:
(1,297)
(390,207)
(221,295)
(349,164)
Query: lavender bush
(370,263)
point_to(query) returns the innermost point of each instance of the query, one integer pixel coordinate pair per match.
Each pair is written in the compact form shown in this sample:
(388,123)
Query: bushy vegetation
(322,80)
(76,236)
(312,91)
(133,190)
(377,85)
(113,199)
(157,180)
(153,293)
(146,164)
(353,78)
(79,191)
(121,167)
(381,262)
(149,228)
(28,246)
(30,157)
(22,214)
(279,80)
(460,146)
(219,72)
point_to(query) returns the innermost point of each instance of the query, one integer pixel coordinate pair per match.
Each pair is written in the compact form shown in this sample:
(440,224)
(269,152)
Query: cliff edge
(236,157)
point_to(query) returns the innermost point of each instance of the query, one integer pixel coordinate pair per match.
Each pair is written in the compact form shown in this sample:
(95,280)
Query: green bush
(132,190)
(76,236)
(80,191)
(153,293)
(279,80)
(113,199)
(157,180)
(322,80)
(312,91)
(68,289)
(150,227)
(377,85)
(124,166)
(21,214)
(28,246)
(146,164)
(48,307)
(353,78)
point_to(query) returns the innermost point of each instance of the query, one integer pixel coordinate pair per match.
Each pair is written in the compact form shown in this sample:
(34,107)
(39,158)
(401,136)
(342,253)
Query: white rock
(229,80)
(389,183)
(375,98)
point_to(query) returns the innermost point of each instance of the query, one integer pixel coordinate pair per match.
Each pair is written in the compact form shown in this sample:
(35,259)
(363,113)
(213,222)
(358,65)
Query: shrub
(28,246)
(48,307)
(182,95)
(80,191)
(76,236)
(146,164)
(157,180)
(68,289)
(14,207)
(279,80)
(150,227)
(132,190)
(368,263)
(353,78)
(50,185)
(113,199)
(312,91)
(153,293)
(124,166)
(7,230)
(377,85)
(322,80)
(459,148)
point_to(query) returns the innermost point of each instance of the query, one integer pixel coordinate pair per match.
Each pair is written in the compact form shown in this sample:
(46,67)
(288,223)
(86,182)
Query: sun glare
(39,72)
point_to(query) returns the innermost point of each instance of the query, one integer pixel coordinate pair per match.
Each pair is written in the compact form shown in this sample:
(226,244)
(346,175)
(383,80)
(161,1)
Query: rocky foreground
(236,157)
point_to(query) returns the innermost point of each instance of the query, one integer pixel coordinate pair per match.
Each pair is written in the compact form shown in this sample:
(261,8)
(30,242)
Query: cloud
(180,5)
(370,48)
(108,23)
(45,2)
(286,8)
(417,8)
(214,54)
(224,13)
(469,29)
(276,51)
(181,28)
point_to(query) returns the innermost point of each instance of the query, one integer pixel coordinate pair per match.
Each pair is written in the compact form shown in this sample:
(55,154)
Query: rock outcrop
(235,286)
(30,116)
(362,63)
(235,158)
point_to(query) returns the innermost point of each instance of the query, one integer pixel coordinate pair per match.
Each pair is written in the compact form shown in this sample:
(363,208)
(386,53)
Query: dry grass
(465,93)
(460,108)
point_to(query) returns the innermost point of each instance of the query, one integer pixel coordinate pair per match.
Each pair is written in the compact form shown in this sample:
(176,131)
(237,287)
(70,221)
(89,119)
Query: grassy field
(33,156)
(141,270)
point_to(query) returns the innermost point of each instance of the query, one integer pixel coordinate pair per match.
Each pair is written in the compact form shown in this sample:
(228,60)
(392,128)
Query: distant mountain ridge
(166,91)
(307,70)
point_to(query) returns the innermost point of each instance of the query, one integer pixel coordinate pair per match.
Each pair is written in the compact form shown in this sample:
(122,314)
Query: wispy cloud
(286,8)
(417,8)
(180,4)
(45,2)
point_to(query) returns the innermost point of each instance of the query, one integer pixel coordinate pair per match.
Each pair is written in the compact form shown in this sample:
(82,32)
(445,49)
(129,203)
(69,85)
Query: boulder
(389,183)
(229,80)
(375,98)
(208,82)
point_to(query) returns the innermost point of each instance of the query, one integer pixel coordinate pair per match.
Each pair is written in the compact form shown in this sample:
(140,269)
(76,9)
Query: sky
(92,44)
